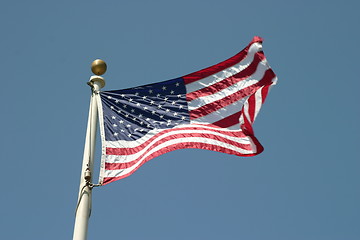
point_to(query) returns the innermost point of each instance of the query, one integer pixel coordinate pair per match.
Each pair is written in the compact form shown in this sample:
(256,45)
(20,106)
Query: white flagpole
(83,208)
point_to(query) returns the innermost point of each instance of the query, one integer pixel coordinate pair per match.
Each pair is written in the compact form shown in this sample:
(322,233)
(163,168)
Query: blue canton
(131,113)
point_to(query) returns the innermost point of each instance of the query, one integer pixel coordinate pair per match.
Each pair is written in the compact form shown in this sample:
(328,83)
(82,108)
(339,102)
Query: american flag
(211,109)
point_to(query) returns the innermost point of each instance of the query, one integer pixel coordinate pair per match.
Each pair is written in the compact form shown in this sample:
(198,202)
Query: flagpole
(83,208)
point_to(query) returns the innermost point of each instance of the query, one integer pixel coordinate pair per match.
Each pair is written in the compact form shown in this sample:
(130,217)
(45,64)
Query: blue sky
(304,186)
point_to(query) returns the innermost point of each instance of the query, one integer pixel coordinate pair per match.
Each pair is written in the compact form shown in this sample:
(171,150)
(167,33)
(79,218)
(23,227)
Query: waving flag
(211,109)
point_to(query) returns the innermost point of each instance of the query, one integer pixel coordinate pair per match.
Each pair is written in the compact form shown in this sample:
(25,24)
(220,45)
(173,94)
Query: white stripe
(234,127)
(221,113)
(150,134)
(258,102)
(274,81)
(129,158)
(246,111)
(117,173)
(253,79)
(205,82)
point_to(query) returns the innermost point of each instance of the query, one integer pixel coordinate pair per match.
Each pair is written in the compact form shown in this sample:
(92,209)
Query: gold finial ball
(98,67)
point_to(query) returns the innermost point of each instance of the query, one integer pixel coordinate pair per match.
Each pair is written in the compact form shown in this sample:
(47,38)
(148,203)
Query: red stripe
(155,142)
(192,77)
(227,82)
(246,127)
(251,107)
(237,134)
(264,92)
(228,121)
(221,103)
(259,149)
(188,144)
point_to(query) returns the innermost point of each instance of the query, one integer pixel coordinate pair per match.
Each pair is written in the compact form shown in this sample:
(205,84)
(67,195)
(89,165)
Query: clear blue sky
(304,186)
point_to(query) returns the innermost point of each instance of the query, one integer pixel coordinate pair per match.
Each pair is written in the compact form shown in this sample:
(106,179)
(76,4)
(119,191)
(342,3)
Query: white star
(113,117)
(109,97)
(121,121)
(112,107)
(128,125)
(136,93)
(129,135)
(114,125)
(138,104)
(179,96)
(181,106)
(150,91)
(166,98)
(177,84)
(158,95)
(161,116)
(159,106)
(145,108)
(115,134)
(175,113)
(116,101)
(173,103)
(144,97)
(124,106)
(153,112)
(122,130)
(167,110)
(127,115)
(152,102)
(130,100)
(148,119)
(183,118)
(172,92)
(122,95)
(164,88)
(140,115)
(132,110)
